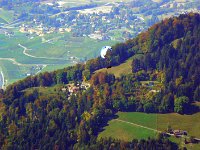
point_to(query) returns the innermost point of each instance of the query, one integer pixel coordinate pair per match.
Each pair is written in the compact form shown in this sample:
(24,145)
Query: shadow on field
(192,109)
(105,122)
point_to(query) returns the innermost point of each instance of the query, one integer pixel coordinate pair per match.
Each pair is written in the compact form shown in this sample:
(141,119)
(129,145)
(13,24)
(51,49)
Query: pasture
(124,68)
(127,131)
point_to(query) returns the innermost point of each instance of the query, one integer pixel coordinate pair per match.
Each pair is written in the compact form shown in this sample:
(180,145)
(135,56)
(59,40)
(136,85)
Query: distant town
(107,21)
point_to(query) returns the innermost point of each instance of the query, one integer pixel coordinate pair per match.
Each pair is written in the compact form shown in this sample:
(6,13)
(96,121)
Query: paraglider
(104,51)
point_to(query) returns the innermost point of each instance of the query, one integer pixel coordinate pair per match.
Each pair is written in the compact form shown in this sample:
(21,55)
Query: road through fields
(29,55)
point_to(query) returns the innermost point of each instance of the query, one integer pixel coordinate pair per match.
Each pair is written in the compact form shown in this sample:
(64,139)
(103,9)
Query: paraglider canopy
(104,51)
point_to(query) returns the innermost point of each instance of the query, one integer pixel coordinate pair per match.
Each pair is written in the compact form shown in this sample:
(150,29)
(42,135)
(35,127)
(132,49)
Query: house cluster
(73,89)
(98,36)
(97,25)
(41,30)
(31,30)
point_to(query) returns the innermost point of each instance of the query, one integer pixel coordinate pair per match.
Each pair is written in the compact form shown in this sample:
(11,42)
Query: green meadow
(130,128)
(124,68)
(126,131)
(6,16)
(65,45)
(55,50)
(13,72)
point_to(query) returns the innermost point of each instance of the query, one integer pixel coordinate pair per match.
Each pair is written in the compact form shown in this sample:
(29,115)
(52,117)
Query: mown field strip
(138,125)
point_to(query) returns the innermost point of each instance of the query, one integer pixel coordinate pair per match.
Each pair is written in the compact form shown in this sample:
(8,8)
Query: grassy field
(160,122)
(61,46)
(45,90)
(124,68)
(65,45)
(55,67)
(14,72)
(2,20)
(6,16)
(126,131)
(189,123)
(53,50)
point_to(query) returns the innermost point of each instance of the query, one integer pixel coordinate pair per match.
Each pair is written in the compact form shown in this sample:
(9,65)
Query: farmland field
(20,52)
(127,131)
(6,16)
(65,45)
(13,72)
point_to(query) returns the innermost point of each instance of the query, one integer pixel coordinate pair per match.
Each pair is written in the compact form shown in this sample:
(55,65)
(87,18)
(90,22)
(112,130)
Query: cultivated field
(13,72)
(19,52)
(6,16)
(65,45)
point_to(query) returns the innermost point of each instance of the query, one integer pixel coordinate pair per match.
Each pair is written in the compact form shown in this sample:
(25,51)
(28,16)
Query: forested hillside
(39,113)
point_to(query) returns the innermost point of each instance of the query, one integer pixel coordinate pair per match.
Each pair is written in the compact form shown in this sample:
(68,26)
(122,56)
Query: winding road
(29,55)
(20,64)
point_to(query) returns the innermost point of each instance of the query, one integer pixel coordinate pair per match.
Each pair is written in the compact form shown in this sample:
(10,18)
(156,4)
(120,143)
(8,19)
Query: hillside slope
(57,110)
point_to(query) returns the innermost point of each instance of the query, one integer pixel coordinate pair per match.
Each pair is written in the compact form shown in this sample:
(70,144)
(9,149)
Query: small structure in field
(64,89)
(179,132)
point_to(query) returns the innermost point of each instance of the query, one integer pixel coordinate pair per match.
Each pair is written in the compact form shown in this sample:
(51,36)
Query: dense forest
(37,114)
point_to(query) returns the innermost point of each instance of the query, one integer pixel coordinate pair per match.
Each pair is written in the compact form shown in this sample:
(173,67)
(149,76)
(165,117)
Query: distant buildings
(73,89)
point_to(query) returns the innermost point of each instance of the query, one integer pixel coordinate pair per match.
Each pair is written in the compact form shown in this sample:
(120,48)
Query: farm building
(179,132)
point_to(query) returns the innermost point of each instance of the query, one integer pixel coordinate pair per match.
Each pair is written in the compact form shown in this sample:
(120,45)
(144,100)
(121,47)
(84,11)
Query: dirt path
(138,125)
(134,124)
(44,66)
(14,61)
(20,64)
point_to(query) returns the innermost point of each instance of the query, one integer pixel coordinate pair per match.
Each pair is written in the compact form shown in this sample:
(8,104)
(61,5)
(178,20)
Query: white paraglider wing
(104,51)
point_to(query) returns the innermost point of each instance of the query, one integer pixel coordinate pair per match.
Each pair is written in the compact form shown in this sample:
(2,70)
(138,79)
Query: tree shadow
(105,122)
(192,109)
